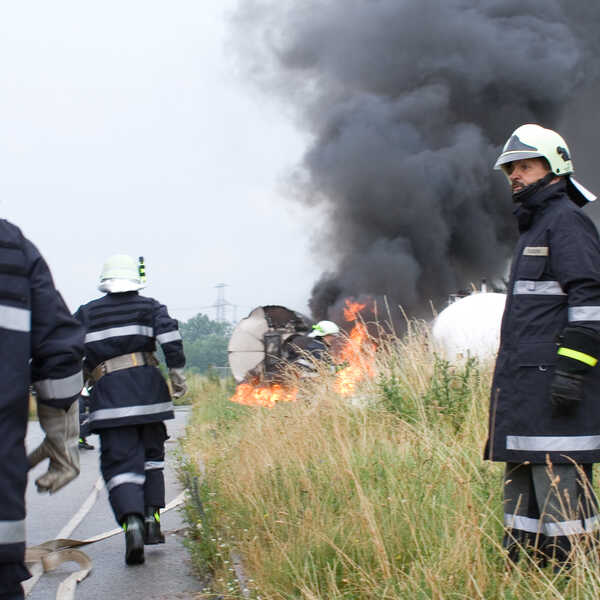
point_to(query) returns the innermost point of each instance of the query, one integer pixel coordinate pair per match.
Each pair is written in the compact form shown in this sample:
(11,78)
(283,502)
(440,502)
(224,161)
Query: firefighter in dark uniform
(41,344)
(130,399)
(302,350)
(545,401)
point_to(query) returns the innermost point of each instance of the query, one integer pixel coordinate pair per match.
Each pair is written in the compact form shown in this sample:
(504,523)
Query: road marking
(83,511)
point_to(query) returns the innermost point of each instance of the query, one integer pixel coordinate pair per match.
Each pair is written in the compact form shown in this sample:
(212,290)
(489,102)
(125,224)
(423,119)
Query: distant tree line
(205,343)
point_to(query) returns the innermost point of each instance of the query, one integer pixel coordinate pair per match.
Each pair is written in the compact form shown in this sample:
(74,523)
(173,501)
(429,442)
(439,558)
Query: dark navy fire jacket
(554,282)
(41,344)
(119,324)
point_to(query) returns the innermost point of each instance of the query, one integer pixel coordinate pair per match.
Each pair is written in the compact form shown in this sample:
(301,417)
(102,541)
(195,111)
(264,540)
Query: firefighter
(324,332)
(544,420)
(42,344)
(316,345)
(130,400)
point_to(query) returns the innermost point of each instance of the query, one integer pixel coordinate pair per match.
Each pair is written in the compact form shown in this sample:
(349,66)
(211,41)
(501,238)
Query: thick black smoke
(408,103)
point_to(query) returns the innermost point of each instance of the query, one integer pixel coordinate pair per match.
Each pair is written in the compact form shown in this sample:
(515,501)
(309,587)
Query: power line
(221,303)
(222,306)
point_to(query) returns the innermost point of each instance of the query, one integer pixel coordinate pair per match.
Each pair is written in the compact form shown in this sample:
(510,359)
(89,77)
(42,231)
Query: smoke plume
(408,103)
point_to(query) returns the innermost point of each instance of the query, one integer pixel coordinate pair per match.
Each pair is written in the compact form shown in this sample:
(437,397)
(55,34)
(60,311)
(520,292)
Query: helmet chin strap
(530,190)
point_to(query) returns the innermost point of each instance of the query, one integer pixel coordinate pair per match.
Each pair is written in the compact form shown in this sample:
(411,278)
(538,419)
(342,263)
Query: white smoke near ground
(407,103)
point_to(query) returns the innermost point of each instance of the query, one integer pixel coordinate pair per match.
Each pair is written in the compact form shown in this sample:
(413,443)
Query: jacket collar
(533,205)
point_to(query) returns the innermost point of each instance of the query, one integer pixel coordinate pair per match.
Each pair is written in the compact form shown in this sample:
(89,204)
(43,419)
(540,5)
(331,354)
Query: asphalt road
(166,573)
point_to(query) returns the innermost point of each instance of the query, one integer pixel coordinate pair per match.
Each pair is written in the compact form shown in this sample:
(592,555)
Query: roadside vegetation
(381,495)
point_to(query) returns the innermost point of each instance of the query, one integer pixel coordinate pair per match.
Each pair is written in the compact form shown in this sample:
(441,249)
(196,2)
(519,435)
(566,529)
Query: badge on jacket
(535,251)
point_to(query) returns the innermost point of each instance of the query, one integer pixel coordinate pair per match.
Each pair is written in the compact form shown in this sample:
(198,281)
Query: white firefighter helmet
(121,273)
(323,328)
(535,141)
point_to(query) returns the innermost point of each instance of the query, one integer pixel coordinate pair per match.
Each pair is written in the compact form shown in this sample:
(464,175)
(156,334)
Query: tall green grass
(380,496)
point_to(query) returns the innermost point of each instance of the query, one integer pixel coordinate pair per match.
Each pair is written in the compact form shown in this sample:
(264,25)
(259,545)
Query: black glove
(566,393)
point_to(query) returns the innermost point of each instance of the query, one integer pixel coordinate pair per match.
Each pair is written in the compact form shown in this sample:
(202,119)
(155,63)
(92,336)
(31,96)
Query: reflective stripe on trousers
(154,464)
(122,478)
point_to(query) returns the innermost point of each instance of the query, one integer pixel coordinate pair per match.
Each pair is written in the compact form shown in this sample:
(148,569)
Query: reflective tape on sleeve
(576,355)
(122,478)
(170,336)
(552,443)
(49,389)
(538,288)
(96,336)
(154,464)
(584,313)
(12,532)
(104,414)
(15,319)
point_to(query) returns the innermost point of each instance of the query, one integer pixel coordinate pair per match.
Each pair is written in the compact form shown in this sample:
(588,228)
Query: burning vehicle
(259,348)
(269,338)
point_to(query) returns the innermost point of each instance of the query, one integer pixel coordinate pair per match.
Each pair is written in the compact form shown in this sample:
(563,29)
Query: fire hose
(50,555)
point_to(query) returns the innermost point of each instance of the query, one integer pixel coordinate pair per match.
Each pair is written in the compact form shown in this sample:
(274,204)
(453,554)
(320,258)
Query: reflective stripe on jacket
(118,324)
(554,282)
(41,344)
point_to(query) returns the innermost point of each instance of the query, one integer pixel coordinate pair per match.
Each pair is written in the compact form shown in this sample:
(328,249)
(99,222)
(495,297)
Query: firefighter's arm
(56,352)
(60,446)
(578,353)
(575,259)
(169,338)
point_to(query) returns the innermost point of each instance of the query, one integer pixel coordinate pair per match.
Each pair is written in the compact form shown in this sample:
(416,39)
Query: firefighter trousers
(132,461)
(546,507)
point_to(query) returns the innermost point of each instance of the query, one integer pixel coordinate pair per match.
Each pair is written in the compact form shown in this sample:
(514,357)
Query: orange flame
(263,395)
(358,352)
(352,310)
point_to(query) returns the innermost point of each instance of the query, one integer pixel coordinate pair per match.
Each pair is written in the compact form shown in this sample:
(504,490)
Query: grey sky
(126,128)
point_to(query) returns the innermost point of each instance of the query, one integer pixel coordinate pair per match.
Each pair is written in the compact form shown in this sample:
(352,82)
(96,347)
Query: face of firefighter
(328,339)
(526,171)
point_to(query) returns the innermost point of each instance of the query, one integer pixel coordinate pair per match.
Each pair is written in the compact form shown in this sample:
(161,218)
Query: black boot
(152,532)
(134,540)
(83,445)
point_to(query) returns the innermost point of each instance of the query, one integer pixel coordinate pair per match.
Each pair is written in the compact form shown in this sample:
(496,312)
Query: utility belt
(124,361)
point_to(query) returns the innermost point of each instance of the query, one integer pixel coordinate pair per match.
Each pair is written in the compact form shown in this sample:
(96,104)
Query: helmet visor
(513,155)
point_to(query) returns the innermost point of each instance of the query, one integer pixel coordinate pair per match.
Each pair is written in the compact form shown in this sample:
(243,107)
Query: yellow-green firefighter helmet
(535,141)
(120,273)
(323,328)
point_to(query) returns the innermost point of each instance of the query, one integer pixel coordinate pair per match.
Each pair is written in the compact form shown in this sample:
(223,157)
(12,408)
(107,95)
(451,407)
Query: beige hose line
(53,553)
